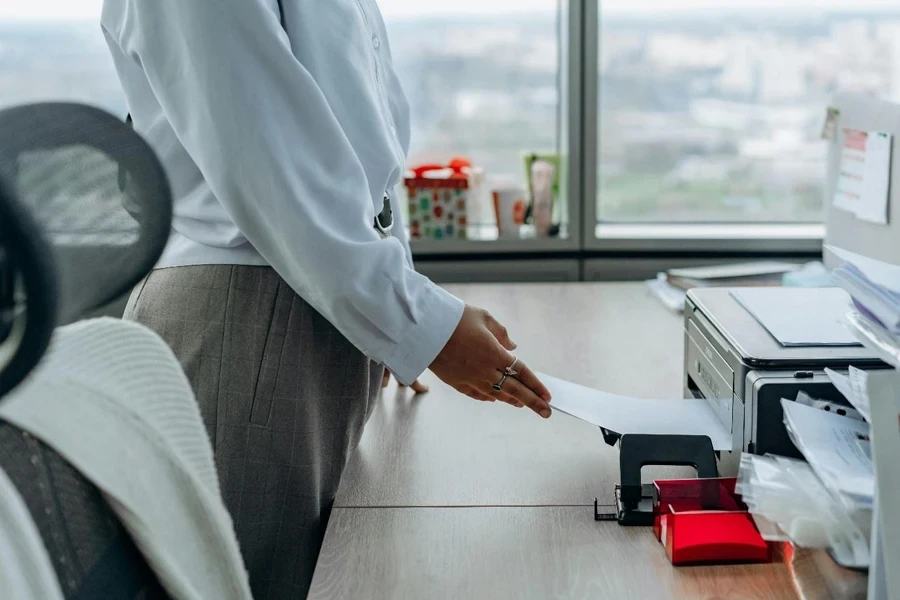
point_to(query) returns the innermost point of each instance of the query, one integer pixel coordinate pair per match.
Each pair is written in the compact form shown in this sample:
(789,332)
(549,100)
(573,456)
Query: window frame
(658,238)
(570,111)
(579,112)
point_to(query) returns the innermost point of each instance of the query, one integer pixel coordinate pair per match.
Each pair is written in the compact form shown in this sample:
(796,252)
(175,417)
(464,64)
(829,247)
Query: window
(54,50)
(705,115)
(483,79)
(715,115)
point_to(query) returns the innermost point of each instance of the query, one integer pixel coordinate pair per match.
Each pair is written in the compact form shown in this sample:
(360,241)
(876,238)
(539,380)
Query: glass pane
(483,79)
(710,114)
(54,50)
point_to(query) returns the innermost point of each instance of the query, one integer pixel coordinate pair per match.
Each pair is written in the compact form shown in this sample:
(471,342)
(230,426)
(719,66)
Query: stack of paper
(875,288)
(853,388)
(837,448)
(825,502)
(789,502)
(759,273)
(827,405)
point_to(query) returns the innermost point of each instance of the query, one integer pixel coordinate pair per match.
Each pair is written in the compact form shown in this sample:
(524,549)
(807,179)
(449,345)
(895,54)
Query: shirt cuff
(442,313)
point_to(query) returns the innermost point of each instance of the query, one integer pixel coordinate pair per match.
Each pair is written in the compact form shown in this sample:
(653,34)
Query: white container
(510,206)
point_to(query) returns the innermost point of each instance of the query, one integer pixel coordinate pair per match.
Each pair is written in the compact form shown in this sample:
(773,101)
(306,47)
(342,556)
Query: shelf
(708,238)
(649,238)
(501,246)
(485,241)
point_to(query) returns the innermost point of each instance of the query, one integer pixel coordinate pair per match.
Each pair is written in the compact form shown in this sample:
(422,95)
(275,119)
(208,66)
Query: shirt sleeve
(262,133)
(400,233)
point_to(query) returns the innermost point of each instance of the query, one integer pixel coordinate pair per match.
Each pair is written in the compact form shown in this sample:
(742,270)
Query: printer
(734,363)
(743,372)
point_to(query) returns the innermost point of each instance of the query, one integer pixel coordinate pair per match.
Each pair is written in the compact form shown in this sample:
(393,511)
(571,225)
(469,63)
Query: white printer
(731,360)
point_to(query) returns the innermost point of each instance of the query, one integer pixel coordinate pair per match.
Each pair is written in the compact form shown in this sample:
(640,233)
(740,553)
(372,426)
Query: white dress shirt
(280,146)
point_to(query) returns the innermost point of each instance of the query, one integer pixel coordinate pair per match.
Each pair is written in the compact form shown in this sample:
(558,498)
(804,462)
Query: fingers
(516,390)
(499,331)
(475,394)
(527,377)
(489,395)
(507,399)
(417,387)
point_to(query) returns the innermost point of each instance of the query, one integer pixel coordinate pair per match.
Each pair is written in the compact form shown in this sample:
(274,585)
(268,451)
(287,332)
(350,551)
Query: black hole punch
(634,500)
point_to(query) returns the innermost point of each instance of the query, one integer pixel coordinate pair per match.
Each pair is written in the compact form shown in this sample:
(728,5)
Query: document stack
(671,286)
(825,502)
(875,320)
(837,498)
(874,287)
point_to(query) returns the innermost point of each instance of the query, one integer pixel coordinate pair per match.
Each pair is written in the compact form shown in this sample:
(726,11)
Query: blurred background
(685,116)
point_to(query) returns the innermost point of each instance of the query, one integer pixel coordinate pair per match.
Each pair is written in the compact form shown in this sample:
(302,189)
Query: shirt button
(376,42)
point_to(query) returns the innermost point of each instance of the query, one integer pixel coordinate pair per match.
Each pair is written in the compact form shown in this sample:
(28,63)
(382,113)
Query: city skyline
(90,9)
(702,118)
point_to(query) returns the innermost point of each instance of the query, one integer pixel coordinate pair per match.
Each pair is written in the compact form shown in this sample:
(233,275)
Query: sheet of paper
(859,383)
(735,271)
(876,271)
(624,414)
(853,159)
(831,445)
(842,383)
(865,174)
(800,316)
(853,388)
(873,205)
(835,407)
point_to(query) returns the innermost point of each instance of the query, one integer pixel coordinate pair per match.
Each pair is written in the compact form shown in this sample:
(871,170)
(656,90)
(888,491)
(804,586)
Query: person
(287,286)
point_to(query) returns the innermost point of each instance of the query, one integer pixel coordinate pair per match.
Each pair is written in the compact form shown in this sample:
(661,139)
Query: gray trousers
(284,397)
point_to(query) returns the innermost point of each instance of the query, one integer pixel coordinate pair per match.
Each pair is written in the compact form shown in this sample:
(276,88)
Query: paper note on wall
(863,184)
(623,414)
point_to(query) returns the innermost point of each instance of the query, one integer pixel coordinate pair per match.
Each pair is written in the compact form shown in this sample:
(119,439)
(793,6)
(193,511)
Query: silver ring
(507,372)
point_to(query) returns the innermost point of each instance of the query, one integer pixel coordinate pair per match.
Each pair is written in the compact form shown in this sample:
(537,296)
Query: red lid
(459,163)
(422,169)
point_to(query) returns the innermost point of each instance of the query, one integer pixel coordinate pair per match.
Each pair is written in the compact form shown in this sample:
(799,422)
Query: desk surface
(515,553)
(448,497)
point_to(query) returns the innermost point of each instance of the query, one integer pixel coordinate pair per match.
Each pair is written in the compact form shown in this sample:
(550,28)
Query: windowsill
(644,238)
(708,238)
(485,239)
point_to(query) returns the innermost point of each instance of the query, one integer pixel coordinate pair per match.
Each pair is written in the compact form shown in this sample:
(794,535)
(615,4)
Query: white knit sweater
(112,399)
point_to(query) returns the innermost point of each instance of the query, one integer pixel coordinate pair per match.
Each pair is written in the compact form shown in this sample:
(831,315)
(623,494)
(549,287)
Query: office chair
(85,211)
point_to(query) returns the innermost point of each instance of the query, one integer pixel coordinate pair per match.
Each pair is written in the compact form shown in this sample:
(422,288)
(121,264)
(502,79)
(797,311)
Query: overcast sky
(86,9)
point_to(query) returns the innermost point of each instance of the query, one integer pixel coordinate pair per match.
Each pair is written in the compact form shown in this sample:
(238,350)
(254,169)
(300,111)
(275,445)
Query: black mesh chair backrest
(97,191)
(85,211)
(28,292)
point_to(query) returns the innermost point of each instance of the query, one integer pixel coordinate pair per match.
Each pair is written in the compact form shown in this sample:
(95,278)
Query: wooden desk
(451,498)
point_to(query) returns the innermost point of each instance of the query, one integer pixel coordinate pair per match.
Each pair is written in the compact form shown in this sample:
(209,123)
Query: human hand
(474,358)
(418,388)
